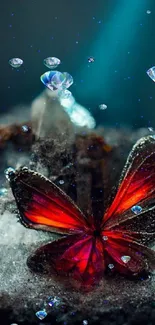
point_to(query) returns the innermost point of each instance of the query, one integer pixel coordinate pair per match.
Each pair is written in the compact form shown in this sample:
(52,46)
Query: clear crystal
(41,314)
(15,62)
(51,62)
(91,59)
(9,172)
(111,266)
(3,191)
(64,94)
(151,73)
(125,259)
(105,237)
(68,80)
(136,209)
(102,107)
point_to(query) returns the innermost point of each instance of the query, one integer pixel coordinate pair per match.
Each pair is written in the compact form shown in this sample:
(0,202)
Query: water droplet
(9,172)
(136,209)
(61,182)
(64,94)
(91,59)
(41,314)
(105,237)
(3,191)
(51,62)
(148,12)
(85,322)
(15,62)
(151,73)
(111,266)
(102,106)
(125,259)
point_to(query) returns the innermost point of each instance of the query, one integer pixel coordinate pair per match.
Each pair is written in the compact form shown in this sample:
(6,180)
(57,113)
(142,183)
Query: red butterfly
(91,247)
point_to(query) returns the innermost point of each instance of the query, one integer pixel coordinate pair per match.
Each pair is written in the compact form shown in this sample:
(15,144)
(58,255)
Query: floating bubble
(91,59)
(125,259)
(148,12)
(51,62)
(136,209)
(9,172)
(41,314)
(102,106)
(15,62)
(3,191)
(151,73)
(64,94)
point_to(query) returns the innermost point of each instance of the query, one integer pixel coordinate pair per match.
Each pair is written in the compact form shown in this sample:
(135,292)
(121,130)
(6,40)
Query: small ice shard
(111,266)
(102,107)
(91,59)
(41,314)
(9,172)
(125,259)
(3,191)
(151,73)
(15,62)
(51,62)
(105,237)
(136,209)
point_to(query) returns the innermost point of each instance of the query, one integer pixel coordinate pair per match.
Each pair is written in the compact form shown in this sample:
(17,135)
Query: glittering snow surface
(21,289)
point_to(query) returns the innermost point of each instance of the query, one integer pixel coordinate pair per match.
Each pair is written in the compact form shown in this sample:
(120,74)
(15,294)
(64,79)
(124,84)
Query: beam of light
(110,48)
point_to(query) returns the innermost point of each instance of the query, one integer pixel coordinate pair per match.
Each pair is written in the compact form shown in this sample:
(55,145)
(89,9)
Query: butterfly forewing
(42,205)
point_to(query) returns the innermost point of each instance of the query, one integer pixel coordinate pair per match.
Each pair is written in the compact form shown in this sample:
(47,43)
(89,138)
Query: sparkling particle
(15,62)
(85,322)
(105,237)
(64,94)
(9,172)
(125,259)
(25,128)
(54,301)
(148,12)
(110,266)
(91,59)
(151,73)
(150,129)
(3,191)
(102,106)
(136,209)
(61,182)
(41,314)
(51,62)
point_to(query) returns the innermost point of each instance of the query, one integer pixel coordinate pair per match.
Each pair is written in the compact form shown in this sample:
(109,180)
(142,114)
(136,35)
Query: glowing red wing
(42,205)
(137,188)
(80,256)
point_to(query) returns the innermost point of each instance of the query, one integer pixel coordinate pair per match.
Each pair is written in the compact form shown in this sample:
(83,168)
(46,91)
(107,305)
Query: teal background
(119,34)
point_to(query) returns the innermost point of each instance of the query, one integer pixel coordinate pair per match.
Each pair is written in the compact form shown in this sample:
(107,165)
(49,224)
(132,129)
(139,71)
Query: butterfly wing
(80,256)
(42,205)
(127,229)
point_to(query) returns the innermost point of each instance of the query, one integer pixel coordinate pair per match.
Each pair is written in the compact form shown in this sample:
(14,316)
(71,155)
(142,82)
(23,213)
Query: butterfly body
(91,246)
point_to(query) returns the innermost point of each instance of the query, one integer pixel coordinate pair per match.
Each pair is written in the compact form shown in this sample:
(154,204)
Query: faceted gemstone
(105,237)
(64,94)
(136,209)
(151,73)
(41,314)
(61,181)
(125,259)
(54,301)
(15,62)
(111,266)
(47,77)
(102,106)
(58,80)
(91,59)
(85,322)
(3,191)
(51,62)
(68,80)
(9,172)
